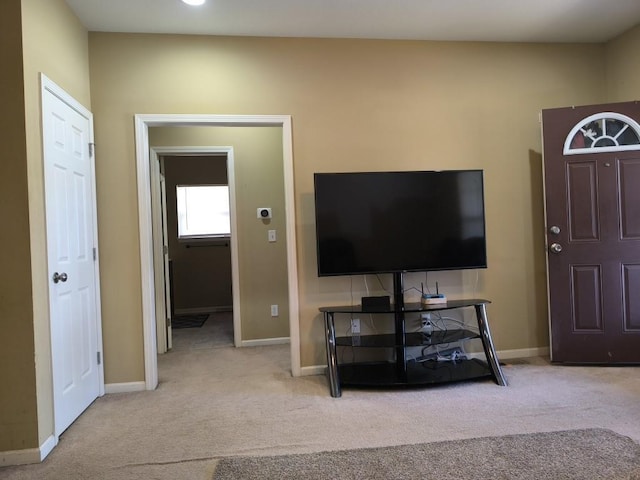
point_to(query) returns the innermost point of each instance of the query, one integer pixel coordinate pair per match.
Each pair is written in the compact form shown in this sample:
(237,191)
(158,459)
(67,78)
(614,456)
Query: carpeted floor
(216,332)
(215,402)
(586,454)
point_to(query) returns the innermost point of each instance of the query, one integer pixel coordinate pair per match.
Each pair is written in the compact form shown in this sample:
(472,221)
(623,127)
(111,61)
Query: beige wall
(356,105)
(35,36)
(18,412)
(623,67)
(259,180)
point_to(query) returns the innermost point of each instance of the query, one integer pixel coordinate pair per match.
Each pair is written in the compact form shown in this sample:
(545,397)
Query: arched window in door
(603,132)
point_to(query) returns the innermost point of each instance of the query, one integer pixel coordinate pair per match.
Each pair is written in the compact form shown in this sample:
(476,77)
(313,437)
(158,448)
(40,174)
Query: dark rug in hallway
(189,321)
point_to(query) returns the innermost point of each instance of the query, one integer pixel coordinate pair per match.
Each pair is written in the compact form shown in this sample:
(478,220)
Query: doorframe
(191,151)
(48,85)
(142,123)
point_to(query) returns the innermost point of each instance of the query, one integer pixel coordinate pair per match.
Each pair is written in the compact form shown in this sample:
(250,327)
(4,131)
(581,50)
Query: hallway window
(203,211)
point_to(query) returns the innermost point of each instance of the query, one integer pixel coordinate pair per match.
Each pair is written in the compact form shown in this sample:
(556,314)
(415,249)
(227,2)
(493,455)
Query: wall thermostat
(264,212)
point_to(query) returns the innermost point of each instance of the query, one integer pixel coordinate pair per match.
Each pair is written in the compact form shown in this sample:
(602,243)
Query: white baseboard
(125,387)
(523,353)
(20,457)
(313,370)
(196,310)
(28,455)
(265,341)
(48,445)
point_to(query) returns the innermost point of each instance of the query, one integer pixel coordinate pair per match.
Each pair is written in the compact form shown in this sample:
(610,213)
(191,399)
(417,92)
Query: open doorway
(193,219)
(148,268)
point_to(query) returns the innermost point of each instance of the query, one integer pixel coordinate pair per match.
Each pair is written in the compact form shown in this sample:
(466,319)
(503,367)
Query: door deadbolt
(555,248)
(59,277)
(554,229)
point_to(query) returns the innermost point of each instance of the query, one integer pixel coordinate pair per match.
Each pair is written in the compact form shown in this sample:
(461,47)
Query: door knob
(555,248)
(59,277)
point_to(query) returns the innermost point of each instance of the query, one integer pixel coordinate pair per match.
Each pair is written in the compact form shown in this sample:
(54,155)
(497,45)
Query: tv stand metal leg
(487,344)
(333,375)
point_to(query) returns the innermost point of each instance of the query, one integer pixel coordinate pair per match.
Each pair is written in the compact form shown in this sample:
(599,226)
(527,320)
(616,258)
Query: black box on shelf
(376,304)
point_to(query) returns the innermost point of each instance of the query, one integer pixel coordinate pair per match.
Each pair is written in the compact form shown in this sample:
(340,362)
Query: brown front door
(592,200)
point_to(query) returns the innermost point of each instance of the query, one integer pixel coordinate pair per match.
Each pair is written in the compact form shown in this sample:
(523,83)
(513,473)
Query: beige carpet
(214,402)
(216,332)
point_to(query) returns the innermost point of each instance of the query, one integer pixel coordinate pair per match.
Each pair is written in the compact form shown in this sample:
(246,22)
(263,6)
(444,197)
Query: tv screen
(384,222)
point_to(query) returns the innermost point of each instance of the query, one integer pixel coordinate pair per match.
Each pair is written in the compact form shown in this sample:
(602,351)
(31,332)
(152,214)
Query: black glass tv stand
(402,371)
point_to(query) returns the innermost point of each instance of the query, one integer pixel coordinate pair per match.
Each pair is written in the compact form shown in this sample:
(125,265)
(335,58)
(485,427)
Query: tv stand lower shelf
(383,374)
(403,372)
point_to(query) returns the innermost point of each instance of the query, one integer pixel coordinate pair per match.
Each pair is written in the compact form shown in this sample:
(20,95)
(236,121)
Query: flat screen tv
(394,222)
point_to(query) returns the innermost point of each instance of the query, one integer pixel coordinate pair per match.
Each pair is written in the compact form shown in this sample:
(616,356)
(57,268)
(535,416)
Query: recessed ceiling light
(194,2)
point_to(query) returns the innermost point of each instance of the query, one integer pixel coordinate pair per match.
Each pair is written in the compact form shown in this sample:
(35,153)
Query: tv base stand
(401,371)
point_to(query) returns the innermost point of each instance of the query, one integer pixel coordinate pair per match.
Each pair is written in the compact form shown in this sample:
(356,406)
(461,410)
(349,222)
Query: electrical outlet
(355,325)
(274,310)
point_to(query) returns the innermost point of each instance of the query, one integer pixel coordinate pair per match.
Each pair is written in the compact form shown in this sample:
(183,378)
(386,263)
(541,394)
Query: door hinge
(168,322)
(99,358)
(92,146)
(95,254)
(165,249)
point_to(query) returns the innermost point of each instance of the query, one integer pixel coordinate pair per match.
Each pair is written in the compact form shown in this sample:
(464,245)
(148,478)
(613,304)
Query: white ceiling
(474,20)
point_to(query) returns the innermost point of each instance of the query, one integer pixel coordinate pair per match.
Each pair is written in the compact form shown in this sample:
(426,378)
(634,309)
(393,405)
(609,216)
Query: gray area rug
(574,454)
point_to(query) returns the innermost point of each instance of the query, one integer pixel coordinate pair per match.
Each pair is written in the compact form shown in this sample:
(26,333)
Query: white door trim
(47,85)
(142,124)
(158,219)
(183,151)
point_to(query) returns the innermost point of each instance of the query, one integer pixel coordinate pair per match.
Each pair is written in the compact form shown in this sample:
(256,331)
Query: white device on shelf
(429,299)
(432,298)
